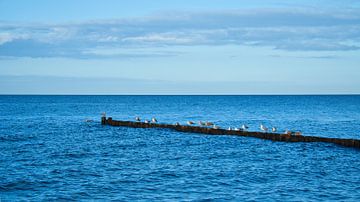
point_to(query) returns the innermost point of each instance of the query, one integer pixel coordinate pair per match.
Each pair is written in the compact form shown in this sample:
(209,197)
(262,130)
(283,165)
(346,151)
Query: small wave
(17,185)
(16,138)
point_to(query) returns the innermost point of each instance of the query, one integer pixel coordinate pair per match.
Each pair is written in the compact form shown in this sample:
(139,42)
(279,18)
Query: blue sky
(179,47)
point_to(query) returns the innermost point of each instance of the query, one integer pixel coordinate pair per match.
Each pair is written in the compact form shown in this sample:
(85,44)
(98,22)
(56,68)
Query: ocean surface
(49,152)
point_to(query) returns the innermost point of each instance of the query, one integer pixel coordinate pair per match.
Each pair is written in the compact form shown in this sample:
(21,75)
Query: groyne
(211,131)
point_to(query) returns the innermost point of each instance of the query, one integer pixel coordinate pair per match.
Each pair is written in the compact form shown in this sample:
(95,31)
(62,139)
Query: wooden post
(103,120)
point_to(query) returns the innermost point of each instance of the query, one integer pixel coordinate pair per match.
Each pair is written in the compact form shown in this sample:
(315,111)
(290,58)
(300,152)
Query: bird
(177,124)
(147,121)
(216,127)
(209,123)
(273,129)
(137,119)
(153,120)
(244,127)
(287,132)
(229,128)
(190,123)
(298,133)
(103,114)
(201,123)
(237,129)
(263,128)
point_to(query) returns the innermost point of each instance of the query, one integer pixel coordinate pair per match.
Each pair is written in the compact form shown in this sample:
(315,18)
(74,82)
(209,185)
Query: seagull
(273,129)
(190,123)
(263,128)
(229,128)
(103,114)
(298,133)
(154,120)
(137,119)
(202,123)
(287,132)
(237,129)
(147,121)
(244,127)
(209,123)
(216,127)
(177,124)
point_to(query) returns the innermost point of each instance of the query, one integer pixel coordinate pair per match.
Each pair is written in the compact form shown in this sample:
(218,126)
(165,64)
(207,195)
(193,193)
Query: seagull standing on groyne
(153,120)
(263,128)
(137,119)
(273,129)
(244,127)
(190,123)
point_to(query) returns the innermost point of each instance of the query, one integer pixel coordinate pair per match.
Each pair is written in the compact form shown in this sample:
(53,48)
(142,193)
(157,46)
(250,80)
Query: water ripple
(48,152)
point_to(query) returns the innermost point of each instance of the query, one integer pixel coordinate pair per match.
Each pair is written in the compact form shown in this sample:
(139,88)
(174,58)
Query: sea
(54,148)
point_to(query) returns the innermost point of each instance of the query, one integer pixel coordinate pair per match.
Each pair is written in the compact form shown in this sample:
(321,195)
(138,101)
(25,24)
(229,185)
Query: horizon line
(215,94)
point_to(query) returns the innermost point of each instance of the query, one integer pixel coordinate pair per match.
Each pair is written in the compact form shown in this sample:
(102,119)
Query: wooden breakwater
(211,131)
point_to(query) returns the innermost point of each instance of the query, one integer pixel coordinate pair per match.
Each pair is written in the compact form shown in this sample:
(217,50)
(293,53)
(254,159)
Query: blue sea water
(48,151)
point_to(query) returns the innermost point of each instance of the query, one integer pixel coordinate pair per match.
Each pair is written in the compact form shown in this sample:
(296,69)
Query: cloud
(291,29)
(5,37)
(164,38)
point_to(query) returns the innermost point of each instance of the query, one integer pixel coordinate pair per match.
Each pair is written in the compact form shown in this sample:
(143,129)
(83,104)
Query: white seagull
(137,119)
(216,127)
(177,124)
(190,123)
(202,123)
(147,121)
(229,128)
(154,120)
(263,128)
(273,129)
(244,127)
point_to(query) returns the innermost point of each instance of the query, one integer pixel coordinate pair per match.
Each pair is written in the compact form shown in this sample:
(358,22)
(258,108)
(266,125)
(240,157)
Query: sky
(179,47)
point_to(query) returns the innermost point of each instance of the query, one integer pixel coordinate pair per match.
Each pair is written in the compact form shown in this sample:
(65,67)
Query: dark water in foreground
(48,152)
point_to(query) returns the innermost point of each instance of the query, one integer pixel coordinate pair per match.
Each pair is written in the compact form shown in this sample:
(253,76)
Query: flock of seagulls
(211,124)
(153,120)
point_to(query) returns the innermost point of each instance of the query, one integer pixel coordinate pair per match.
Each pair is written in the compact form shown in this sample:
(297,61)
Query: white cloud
(286,29)
(5,37)
(108,39)
(165,38)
